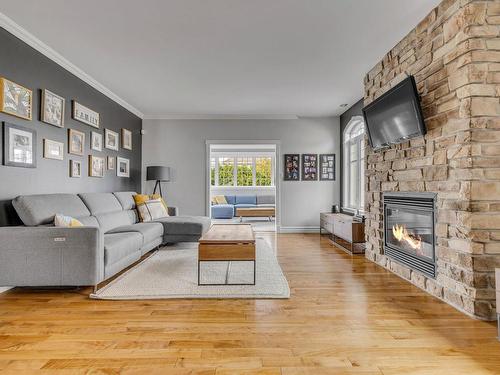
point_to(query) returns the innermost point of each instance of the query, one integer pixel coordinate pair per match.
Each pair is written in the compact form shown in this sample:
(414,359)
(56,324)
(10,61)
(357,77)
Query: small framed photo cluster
(20,142)
(307,167)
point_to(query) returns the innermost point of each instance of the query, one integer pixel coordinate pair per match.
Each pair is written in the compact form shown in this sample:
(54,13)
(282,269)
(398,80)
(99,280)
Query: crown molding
(186,116)
(28,38)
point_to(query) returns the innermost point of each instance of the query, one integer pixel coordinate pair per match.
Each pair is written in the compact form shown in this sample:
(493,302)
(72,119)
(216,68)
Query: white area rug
(172,272)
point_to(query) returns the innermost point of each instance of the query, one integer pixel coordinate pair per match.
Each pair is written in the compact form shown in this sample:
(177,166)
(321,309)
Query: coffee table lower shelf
(227,272)
(226,252)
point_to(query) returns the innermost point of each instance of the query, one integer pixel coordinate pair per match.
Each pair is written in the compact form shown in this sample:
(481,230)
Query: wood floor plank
(346,315)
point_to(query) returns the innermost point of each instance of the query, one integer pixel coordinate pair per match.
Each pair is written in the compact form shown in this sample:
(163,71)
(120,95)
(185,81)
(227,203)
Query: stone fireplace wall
(454,54)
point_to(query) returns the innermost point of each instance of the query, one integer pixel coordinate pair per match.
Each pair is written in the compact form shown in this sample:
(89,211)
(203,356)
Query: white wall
(181,145)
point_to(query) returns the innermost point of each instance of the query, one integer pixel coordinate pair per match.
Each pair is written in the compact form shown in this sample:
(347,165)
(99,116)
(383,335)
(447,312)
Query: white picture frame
(75,168)
(53,149)
(76,142)
(52,109)
(111,163)
(111,139)
(95,141)
(122,167)
(126,139)
(85,115)
(19,146)
(96,166)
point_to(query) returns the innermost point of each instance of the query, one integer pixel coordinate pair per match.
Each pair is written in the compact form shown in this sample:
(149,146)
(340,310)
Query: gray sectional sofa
(112,238)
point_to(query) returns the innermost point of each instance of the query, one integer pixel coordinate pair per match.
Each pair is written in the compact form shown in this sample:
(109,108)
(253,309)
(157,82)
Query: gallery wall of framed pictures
(20,142)
(309,167)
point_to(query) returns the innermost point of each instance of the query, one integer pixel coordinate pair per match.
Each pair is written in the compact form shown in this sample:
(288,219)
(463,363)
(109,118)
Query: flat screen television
(395,116)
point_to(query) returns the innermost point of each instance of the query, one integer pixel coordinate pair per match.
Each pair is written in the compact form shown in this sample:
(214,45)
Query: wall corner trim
(28,38)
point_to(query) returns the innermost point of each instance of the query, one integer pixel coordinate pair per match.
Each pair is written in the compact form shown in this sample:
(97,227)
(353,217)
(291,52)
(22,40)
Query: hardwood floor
(346,315)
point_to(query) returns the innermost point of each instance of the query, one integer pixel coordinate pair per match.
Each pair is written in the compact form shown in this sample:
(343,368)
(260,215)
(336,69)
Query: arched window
(354,166)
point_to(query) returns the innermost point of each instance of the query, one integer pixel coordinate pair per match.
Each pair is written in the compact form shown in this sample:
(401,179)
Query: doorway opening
(241,184)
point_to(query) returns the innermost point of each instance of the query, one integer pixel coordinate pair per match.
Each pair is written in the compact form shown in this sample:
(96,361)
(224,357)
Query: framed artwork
(15,99)
(96,166)
(327,167)
(111,139)
(75,168)
(85,115)
(123,167)
(53,149)
(96,141)
(19,146)
(292,167)
(52,109)
(111,163)
(76,142)
(126,139)
(309,167)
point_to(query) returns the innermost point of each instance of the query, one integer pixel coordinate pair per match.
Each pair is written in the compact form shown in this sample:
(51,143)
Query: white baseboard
(5,288)
(298,229)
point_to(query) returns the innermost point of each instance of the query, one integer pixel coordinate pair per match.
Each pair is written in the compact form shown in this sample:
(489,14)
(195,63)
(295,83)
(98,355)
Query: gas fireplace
(409,237)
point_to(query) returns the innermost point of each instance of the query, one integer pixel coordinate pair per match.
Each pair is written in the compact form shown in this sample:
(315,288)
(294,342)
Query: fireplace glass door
(410,230)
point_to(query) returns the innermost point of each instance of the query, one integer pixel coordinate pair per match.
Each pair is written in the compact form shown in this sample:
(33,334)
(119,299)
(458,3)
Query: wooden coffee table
(227,243)
(268,212)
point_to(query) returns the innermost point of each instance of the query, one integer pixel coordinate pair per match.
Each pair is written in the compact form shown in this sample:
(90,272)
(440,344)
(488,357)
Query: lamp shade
(157,173)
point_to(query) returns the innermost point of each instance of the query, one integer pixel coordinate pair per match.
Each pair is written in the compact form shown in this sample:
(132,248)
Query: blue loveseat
(228,211)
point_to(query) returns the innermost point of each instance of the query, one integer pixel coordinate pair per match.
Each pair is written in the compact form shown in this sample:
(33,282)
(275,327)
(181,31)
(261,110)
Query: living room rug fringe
(171,273)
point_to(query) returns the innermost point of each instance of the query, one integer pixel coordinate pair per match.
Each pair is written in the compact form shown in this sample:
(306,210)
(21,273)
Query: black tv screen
(395,116)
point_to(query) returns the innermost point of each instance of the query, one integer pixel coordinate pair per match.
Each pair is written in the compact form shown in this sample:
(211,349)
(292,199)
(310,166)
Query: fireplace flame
(401,234)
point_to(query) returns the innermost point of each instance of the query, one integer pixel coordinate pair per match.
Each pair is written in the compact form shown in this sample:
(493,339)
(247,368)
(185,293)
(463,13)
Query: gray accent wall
(24,65)
(355,110)
(181,145)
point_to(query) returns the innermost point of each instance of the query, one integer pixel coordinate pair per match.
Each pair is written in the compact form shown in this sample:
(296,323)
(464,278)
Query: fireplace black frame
(417,201)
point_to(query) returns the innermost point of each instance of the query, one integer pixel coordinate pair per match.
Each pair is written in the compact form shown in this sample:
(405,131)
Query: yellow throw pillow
(220,199)
(66,221)
(150,207)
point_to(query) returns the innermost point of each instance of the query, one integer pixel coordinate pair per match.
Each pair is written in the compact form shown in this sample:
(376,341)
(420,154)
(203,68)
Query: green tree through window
(226,171)
(263,168)
(244,172)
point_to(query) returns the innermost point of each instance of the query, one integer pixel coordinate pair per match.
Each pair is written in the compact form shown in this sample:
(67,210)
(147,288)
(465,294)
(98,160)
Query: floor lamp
(158,174)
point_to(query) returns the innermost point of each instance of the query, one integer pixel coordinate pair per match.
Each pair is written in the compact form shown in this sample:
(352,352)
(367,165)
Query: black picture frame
(7,128)
(327,167)
(309,167)
(291,167)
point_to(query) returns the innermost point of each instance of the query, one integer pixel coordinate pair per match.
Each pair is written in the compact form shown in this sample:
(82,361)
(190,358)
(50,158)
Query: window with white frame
(241,170)
(354,166)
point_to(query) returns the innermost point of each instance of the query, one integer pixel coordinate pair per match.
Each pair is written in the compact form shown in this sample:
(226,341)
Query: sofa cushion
(265,199)
(41,209)
(230,199)
(195,225)
(101,203)
(126,199)
(222,211)
(246,199)
(110,221)
(266,205)
(149,231)
(89,221)
(120,245)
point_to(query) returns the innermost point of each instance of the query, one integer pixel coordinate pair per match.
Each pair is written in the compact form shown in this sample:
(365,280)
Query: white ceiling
(171,58)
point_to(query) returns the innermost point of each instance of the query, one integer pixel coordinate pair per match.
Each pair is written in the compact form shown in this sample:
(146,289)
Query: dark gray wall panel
(24,65)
